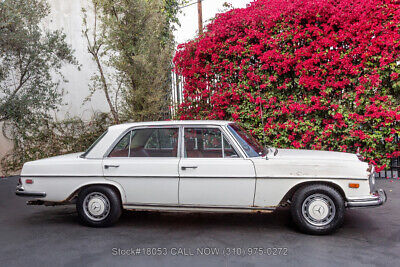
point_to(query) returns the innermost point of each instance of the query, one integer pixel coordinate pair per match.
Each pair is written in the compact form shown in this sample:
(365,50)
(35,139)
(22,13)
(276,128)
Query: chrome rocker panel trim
(196,208)
(376,199)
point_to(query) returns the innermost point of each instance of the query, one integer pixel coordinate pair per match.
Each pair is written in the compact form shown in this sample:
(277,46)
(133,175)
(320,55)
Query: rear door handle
(110,166)
(188,167)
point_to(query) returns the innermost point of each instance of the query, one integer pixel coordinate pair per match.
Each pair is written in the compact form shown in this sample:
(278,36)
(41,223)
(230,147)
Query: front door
(145,163)
(212,172)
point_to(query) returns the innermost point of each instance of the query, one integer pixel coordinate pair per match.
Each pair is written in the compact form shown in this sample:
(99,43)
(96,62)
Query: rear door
(212,172)
(145,162)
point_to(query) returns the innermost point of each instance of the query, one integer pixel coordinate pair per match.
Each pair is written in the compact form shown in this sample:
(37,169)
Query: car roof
(172,122)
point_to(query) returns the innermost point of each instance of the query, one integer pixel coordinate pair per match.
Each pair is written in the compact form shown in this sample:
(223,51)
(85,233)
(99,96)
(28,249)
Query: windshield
(250,145)
(92,145)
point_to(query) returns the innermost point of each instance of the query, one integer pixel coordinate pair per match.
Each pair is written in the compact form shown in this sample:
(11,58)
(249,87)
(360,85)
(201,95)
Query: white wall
(67,15)
(5,145)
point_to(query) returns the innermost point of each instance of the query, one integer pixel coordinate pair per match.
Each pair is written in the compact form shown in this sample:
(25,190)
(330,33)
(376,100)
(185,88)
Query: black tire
(103,199)
(312,196)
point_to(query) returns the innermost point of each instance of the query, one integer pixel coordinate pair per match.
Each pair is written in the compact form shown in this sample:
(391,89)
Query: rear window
(93,145)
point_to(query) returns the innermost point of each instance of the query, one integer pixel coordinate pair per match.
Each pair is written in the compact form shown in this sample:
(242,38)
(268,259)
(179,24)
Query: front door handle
(110,166)
(188,167)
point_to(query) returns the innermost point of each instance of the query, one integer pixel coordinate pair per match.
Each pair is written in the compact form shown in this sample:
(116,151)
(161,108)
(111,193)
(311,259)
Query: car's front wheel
(98,206)
(317,209)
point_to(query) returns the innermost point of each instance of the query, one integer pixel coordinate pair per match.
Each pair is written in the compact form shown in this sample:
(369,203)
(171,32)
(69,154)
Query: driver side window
(207,143)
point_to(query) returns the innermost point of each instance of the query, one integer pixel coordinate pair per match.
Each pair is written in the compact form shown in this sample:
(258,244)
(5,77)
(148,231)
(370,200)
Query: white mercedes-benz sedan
(212,166)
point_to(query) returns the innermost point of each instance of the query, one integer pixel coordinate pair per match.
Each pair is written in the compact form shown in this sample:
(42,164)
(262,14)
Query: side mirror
(269,151)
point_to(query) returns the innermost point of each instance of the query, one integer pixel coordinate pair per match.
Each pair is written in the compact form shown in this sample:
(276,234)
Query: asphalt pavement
(52,236)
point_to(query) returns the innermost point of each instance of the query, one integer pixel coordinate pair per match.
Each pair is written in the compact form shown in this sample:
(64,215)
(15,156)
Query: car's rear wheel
(98,206)
(317,209)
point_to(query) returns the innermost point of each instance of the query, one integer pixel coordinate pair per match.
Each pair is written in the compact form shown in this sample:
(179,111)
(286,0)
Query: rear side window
(149,142)
(122,148)
(93,145)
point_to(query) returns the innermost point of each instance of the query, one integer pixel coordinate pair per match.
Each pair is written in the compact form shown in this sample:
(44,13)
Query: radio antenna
(262,117)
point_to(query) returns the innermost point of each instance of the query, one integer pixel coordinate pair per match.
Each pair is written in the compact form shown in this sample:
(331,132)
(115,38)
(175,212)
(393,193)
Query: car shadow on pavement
(356,221)
(277,219)
(54,215)
(358,225)
(180,220)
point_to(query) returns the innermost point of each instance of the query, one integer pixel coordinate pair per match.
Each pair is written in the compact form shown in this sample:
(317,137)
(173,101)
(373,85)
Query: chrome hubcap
(318,209)
(96,206)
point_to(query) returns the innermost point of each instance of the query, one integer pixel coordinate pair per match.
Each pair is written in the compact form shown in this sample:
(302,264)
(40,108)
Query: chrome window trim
(223,132)
(116,141)
(129,146)
(233,137)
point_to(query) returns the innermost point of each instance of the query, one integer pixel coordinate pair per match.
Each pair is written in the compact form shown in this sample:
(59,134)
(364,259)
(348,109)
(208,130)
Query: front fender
(271,191)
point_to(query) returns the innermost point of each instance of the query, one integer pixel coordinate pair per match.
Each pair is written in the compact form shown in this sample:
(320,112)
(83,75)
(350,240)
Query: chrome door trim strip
(97,176)
(136,176)
(309,178)
(190,177)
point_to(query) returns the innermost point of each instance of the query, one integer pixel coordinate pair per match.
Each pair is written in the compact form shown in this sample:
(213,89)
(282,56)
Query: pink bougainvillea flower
(315,74)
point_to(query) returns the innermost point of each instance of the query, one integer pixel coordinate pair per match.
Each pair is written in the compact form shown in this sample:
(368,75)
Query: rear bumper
(377,198)
(20,191)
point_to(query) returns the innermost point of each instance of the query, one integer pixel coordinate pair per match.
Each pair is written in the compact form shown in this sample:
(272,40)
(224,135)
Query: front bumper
(377,198)
(20,191)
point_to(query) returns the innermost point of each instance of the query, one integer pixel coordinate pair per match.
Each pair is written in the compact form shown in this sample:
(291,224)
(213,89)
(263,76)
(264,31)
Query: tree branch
(94,51)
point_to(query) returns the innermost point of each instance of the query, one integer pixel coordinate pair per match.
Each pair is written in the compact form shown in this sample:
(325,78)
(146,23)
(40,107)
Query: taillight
(29,181)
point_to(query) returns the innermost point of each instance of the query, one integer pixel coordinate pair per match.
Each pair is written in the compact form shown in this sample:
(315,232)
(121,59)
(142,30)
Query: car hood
(311,154)
(296,163)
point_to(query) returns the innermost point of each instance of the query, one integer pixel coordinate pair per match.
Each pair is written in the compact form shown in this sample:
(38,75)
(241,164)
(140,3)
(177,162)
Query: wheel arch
(114,186)
(290,193)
